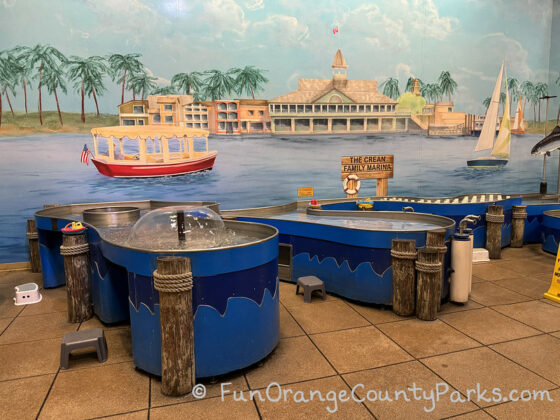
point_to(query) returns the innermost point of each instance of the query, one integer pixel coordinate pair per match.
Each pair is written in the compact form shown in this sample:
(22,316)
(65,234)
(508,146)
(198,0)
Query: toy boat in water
(501,147)
(157,162)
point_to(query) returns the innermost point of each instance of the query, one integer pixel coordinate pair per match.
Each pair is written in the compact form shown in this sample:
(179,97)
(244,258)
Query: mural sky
(294,38)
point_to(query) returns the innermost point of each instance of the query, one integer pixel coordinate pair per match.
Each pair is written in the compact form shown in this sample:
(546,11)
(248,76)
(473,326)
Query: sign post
(354,168)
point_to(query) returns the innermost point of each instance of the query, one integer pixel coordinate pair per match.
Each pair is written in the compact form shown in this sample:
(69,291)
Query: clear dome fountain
(179,227)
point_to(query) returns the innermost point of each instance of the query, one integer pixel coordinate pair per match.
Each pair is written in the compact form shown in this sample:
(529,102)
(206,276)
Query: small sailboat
(518,122)
(500,148)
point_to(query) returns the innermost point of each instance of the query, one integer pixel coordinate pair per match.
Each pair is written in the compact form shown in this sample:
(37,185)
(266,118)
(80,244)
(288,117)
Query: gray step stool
(94,337)
(310,284)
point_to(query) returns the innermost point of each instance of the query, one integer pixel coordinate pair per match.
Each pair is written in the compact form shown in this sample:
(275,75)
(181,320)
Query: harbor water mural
(280,90)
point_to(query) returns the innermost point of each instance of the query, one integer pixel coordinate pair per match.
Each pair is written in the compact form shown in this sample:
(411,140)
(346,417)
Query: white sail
(503,142)
(486,139)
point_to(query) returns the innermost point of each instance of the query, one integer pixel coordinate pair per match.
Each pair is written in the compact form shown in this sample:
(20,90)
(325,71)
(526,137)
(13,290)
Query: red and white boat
(143,162)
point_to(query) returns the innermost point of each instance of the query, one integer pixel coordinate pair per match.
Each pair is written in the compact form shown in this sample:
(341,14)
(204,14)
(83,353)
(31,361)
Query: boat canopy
(148,131)
(159,136)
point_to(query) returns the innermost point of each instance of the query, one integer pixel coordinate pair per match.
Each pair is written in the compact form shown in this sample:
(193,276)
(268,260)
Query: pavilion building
(337,105)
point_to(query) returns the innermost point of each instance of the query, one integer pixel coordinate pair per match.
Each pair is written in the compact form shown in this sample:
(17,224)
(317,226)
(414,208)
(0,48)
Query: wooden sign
(305,192)
(368,166)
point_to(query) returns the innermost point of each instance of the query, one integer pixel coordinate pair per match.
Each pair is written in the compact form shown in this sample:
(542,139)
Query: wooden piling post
(33,240)
(428,270)
(436,239)
(173,281)
(494,220)
(403,254)
(381,188)
(75,248)
(518,226)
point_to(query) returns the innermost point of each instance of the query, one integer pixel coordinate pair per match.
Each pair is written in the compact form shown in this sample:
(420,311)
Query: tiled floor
(506,337)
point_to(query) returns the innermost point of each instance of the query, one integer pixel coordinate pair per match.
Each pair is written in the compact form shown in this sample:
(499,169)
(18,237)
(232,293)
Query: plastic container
(461,263)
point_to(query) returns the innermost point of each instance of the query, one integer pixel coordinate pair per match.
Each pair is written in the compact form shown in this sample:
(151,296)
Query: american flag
(85,155)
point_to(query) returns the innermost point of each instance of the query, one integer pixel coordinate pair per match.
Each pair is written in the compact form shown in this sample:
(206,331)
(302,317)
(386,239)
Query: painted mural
(279,90)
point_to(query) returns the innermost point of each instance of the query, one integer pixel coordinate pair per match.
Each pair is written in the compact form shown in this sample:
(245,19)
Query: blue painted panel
(52,263)
(346,205)
(109,285)
(246,333)
(213,291)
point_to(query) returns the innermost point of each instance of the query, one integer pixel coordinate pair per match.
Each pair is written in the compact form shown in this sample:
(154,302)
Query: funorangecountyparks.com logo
(276,393)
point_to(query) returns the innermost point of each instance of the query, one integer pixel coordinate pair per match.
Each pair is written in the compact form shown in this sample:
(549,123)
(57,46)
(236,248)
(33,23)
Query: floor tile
(528,286)
(37,327)
(54,300)
(22,398)
(7,307)
(232,382)
(288,326)
(358,348)
(32,358)
(328,316)
(451,307)
(135,415)
(210,408)
(474,415)
(422,339)
(534,353)
(490,271)
(96,323)
(466,369)
(387,380)
(476,279)
(295,359)
(314,408)
(523,252)
(17,277)
(4,322)
(289,298)
(527,266)
(487,325)
(541,409)
(490,294)
(376,314)
(97,392)
(535,314)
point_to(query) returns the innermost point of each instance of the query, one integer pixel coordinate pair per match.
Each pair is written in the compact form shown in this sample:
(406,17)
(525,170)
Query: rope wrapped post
(428,270)
(403,254)
(436,239)
(494,220)
(173,281)
(518,226)
(33,240)
(75,249)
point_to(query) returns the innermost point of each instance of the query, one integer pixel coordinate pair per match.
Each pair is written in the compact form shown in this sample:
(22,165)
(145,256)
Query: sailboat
(518,122)
(500,148)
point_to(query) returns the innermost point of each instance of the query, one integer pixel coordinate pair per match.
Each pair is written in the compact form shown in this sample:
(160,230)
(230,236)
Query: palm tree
(53,79)
(165,90)
(447,84)
(120,65)
(391,88)
(217,84)
(541,89)
(513,86)
(502,99)
(44,58)
(486,102)
(23,71)
(528,91)
(188,82)
(7,82)
(87,75)
(8,79)
(142,82)
(248,80)
(431,91)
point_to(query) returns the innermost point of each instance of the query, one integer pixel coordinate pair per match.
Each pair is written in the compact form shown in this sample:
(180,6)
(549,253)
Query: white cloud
(281,29)
(221,16)
(9,3)
(253,4)
(516,57)
(428,22)
(368,22)
(79,32)
(463,73)
(403,71)
(159,80)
